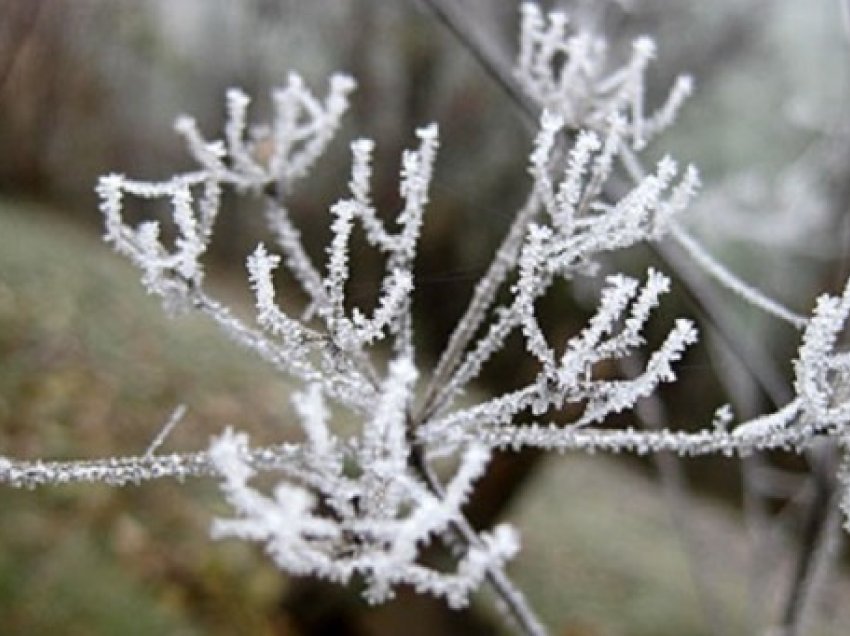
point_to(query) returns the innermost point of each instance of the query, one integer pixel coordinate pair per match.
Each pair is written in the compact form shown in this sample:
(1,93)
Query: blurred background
(90,367)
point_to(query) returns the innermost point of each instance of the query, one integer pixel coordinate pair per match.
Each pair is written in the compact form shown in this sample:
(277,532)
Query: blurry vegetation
(91,367)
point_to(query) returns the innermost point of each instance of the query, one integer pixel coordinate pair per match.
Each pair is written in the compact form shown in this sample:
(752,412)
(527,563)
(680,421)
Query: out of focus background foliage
(90,367)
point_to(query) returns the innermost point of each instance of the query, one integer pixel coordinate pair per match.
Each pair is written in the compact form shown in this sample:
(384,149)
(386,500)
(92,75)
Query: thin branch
(758,364)
(446,14)
(482,299)
(653,414)
(712,266)
(123,471)
(732,282)
(165,431)
(821,520)
(512,599)
(759,434)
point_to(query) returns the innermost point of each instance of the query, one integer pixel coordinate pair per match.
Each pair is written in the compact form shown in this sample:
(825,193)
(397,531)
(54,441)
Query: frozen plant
(568,73)
(367,503)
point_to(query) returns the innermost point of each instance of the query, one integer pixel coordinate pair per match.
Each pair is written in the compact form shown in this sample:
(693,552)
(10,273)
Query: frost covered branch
(568,73)
(365,503)
(374,523)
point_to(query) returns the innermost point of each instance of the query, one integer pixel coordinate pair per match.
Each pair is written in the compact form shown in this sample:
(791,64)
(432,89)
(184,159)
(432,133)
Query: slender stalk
(124,471)
(445,13)
(714,268)
(120,471)
(708,301)
(675,488)
(760,366)
(820,523)
(482,300)
(732,282)
(166,430)
(512,600)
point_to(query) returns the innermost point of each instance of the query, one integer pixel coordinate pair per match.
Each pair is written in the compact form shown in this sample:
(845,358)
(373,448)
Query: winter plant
(366,504)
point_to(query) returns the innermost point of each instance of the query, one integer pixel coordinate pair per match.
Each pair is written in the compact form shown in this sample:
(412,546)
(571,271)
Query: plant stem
(512,600)
(821,517)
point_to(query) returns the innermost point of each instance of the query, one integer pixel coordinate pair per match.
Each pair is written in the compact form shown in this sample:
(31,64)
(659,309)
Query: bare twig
(674,486)
(512,600)
(165,431)
(482,299)
(820,522)
(489,59)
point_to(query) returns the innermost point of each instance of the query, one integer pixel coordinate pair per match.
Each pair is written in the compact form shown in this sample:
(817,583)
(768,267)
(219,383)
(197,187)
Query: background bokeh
(90,367)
